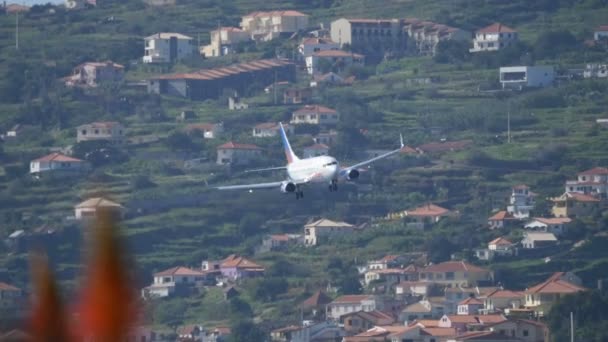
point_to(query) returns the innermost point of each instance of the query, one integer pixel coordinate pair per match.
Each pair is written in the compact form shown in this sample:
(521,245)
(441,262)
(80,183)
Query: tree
(590,309)
(267,289)
(171,312)
(452,52)
(246,331)
(551,44)
(250,224)
(99,152)
(239,308)
(179,141)
(439,249)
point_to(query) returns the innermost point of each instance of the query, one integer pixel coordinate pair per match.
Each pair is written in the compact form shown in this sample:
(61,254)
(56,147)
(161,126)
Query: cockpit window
(332,163)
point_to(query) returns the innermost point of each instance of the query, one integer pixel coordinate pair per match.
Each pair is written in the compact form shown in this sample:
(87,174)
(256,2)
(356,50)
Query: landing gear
(333,186)
(299,193)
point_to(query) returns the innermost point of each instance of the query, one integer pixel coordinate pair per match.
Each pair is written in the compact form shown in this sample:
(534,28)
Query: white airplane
(301,172)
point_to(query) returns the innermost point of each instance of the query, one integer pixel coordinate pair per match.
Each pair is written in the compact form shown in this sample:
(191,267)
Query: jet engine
(352,174)
(288,187)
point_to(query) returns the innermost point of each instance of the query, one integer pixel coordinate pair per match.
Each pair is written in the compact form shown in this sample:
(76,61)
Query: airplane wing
(267,169)
(251,186)
(367,162)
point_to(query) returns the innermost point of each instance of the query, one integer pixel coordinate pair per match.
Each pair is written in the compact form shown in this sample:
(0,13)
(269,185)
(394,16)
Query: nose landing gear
(333,186)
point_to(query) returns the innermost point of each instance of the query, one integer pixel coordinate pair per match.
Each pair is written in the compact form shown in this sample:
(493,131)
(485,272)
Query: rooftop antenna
(571,326)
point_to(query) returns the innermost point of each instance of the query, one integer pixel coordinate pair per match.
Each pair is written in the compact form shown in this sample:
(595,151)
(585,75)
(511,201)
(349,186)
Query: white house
(500,299)
(316,150)
(167,47)
(208,130)
(494,38)
(223,41)
(423,309)
(555,225)
(315,115)
(590,182)
(469,306)
(92,74)
(596,71)
(501,220)
(165,282)
(601,33)
(352,303)
(521,202)
(88,209)
(57,164)
(338,60)
(326,138)
(106,131)
(265,26)
(270,129)
(497,247)
(237,154)
(331,78)
(316,231)
(533,240)
(519,77)
(309,46)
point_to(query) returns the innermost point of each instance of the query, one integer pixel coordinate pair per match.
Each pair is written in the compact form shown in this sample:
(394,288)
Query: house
(352,303)
(379,36)
(464,323)
(318,231)
(270,129)
(167,47)
(555,225)
(232,153)
(443,146)
(590,182)
(483,336)
(57,164)
(424,36)
(501,220)
(596,71)
(326,138)
(388,261)
(206,130)
(283,334)
(216,334)
(499,300)
(315,150)
(601,33)
(392,275)
(79,4)
(574,204)
(334,60)
(15,8)
(110,131)
(224,40)
(310,45)
(297,95)
(321,331)
(265,26)
(423,216)
(189,332)
(494,38)
(275,242)
(11,297)
(235,103)
(414,288)
(235,268)
(315,115)
(520,77)
(455,274)
(541,297)
(316,303)
(16,131)
(523,329)
(167,282)
(88,208)
(470,306)
(423,309)
(210,83)
(92,74)
(330,78)
(498,247)
(521,201)
(357,322)
(454,295)
(533,240)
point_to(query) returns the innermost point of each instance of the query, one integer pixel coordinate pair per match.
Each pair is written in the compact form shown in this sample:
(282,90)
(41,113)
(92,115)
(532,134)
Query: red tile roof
(596,171)
(315,109)
(553,220)
(351,298)
(268,125)
(179,271)
(7,287)
(454,266)
(505,294)
(496,28)
(501,216)
(439,332)
(286,13)
(602,28)
(428,210)
(218,73)
(477,319)
(555,285)
(471,301)
(239,262)
(316,41)
(337,53)
(317,299)
(485,336)
(521,187)
(58,157)
(582,197)
(236,146)
(500,242)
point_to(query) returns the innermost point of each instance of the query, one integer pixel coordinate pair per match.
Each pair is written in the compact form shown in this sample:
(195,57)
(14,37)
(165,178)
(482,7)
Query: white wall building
(57,164)
(270,129)
(265,26)
(596,71)
(520,77)
(494,38)
(106,131)
(224,40)
(338,60)
(167,47)
(315,115)
(92,74)
(308,46)
(601,33)
(237,154)
(521,202)
(538,239)
(88,209)
(324,229)
(555,225)
(590,182)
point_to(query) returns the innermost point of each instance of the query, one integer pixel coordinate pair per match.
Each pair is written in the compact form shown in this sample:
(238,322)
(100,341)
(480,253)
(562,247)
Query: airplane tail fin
(291,157)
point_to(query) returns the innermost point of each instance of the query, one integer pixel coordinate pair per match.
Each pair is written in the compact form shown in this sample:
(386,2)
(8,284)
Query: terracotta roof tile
(428,210)
(496,28)
(317,299)
(236,146)
(7,287)
(315,109)
(471,301)
(454,266)
(58,157)
(596,171)
(351,298)
(501,216)
(501,241)
(179,271)
(555,285)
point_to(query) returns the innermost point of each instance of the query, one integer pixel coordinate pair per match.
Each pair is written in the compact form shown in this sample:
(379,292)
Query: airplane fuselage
(315,170)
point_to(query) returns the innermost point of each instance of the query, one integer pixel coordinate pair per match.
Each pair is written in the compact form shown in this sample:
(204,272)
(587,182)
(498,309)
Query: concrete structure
(331,78)
(207,130)
(57,164)
(326,138)
(309,331)
(573,204)
(469,306)
(523,330)
(315,151)
(424,36)
(520,77)
(297,95)
(494,38)
(500,299)
(237,154)
(533,240)
(591,182)
(541,297)
(224,40)
(88,209)
(309,46)
(456,274)
(235,268)
(315,115)
(320,230)
(370,35)
(356,322)
(521,202)
(337,60)
(463,323)
(391,276)
(167,47)
(352,303)
(501,220)
(498,247)
(165,282)
(601,33)
(211,83)
(270,129)
(555,225)
(111,131)
(423,309)
(265,26)
(92,74)
(596,71)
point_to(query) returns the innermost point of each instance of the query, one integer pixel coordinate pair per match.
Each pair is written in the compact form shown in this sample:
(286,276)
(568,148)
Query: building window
(84,132)
(525,333)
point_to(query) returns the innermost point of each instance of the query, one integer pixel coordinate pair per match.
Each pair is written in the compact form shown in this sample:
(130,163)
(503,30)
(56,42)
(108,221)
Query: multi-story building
(500,299)
(541,297)
(308,46)
(270,129)
(165,282)
(494,38)
(92,74)
(232,153)
(265,26)
(591,182)
(521,202)
(574,204)
(167,47)
(315,232)
(315,115)
(596,71)
(520,77)
(223,41)
(370,35)
(534,240)
(335,60)
(353,303)
(456,273)
(106,131)
(424,36)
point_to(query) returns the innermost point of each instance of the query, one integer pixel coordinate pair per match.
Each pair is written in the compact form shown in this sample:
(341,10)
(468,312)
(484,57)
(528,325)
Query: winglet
(401,140)
(291,157)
